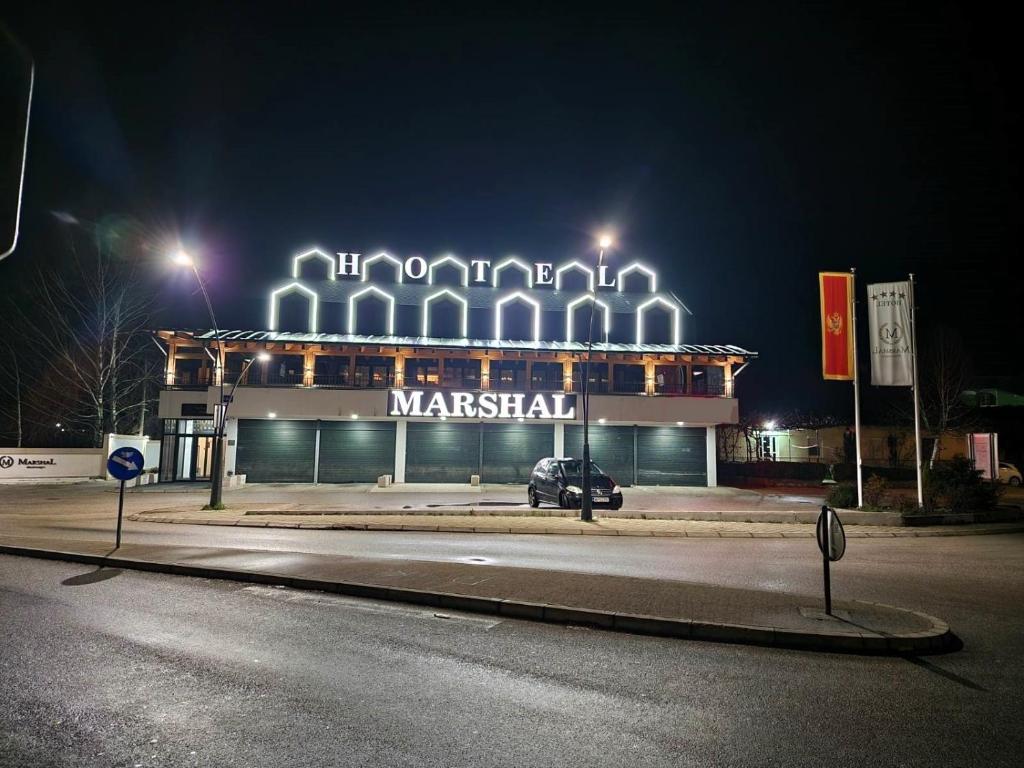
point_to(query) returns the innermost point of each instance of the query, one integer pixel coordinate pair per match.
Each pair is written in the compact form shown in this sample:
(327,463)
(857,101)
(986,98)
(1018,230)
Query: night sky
(739,149)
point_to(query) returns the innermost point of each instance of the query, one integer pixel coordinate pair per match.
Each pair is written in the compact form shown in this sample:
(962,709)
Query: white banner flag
(889,330)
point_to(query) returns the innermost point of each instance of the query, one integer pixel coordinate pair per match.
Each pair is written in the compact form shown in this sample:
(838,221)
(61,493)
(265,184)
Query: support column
(649,377)
(712,449)
(567,375)
(308,367)
(559,439)
(230,445)
(400,429)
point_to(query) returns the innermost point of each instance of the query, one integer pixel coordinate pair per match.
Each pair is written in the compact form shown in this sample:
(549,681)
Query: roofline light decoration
(512,261)
(358,295)
(399,267)
(298,259)
(284,290)
(522,297)
(574,264)
(571,307)
(464,325)
(444,260)
(676,319)
(636,266)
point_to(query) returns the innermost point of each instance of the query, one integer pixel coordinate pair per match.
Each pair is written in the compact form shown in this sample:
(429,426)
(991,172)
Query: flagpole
(917,399)
(856,387)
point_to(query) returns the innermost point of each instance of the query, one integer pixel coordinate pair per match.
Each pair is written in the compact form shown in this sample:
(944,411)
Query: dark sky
(738,148)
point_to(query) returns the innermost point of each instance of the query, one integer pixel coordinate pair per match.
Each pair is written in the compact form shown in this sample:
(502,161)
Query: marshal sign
(481,405)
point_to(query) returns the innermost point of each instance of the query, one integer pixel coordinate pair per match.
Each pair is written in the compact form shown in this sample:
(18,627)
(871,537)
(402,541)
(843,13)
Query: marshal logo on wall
(481,405)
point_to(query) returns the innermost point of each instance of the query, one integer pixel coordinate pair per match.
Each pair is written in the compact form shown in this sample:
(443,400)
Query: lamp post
(183,259)
(587,502)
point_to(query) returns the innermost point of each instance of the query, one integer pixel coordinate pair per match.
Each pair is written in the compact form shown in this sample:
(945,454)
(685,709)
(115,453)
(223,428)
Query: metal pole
(217,473)
(917,397)
(856,389)
(828,585)
(120,509)
(587,503)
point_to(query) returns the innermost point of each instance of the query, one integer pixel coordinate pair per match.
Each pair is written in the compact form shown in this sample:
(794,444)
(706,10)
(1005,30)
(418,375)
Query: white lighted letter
(462,405)
(560,412)
(348,264)
(543,273)
(479,265)
(487,405)
(602,277)
(538,408)
(511,405)
(406,403)
(436,404)
(420,265)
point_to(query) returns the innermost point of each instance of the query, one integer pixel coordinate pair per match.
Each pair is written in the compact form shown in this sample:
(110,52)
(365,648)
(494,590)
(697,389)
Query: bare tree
(944,374)
(11,391)
(87,324)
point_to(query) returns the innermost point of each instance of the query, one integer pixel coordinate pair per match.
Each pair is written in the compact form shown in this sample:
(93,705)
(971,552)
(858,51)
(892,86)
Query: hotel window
(628,378)
(422,372)
(331,371)
(375,371)
(598,377)
(462,374)
(284,370)
(709,380)
(546,377)
(508,374)
(670,379)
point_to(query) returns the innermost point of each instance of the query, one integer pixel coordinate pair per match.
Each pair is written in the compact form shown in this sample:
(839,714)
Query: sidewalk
(488,522)
(644,606)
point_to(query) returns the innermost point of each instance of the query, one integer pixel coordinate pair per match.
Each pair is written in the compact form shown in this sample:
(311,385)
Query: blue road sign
(125,463)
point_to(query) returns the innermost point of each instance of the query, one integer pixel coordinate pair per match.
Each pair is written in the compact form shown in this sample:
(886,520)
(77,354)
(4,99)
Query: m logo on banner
(889,317)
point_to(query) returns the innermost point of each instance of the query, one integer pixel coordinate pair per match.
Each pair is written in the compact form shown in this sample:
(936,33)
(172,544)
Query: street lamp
(587,502)
(182,258)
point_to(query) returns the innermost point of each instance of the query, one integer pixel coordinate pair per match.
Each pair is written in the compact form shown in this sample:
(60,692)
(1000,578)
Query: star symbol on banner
(903,295)
(874,297)
(892,294)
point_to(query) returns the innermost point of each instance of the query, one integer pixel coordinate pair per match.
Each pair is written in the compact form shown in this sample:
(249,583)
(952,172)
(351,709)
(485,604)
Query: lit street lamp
(587,502)
(220,414)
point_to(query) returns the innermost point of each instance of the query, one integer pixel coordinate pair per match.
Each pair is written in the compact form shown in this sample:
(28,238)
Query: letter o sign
(419,264)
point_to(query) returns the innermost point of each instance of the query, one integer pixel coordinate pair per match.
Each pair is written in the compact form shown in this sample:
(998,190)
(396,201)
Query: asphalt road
(129,669)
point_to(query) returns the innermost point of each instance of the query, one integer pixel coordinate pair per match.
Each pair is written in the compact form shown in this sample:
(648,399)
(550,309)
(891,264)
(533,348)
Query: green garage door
(512,450)
(611,448)
(441,452)
(671,456)
(271,451)
(356,451)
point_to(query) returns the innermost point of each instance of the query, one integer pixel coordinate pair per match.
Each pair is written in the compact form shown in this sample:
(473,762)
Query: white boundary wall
(21,464)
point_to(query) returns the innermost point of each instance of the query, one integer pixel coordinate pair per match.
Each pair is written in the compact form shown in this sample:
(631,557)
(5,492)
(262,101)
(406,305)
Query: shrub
(842,496)
(876,492)
(906,505)
(955,485)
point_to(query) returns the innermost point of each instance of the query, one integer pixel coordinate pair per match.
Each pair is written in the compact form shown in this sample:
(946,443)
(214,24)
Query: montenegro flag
(836,290)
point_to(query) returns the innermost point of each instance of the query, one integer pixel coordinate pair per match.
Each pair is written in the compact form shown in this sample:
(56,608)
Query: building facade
(439,370)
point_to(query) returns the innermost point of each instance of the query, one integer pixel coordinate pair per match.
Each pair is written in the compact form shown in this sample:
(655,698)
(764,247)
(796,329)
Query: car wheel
(1014,481)
(563,501)
(532,496)
(616,505)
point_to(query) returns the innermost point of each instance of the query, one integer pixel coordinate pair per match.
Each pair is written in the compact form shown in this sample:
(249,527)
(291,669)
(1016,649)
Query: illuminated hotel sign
(481,405)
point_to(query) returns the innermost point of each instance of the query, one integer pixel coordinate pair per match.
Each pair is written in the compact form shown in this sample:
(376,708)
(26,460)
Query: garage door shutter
(271,451)
(611,448)
(671,456)
(441,452)
(356,451)
(512,450)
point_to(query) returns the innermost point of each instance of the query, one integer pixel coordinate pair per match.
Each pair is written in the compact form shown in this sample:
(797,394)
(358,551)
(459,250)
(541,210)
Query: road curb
(937,639)
(851,531)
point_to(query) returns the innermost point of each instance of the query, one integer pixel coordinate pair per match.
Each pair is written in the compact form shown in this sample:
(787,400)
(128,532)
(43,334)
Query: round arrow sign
(125,463)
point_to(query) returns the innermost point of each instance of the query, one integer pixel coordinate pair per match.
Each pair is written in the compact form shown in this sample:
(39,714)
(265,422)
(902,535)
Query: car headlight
(616,489)
(573,489)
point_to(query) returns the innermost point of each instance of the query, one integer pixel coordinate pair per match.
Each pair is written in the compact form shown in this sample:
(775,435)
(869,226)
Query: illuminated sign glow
(284,290)
(481,405)
(570,311)
(512,261)
(580,267)
(313,253)
(372,289)
(676,318)
(518,295)
(382,256)
(636,266)
(445,293)
(446,260)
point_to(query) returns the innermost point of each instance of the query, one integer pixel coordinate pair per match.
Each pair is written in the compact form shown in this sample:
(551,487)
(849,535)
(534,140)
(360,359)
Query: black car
(560,481)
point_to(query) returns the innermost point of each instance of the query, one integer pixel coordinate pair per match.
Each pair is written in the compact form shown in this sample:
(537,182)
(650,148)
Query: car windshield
(574,468)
